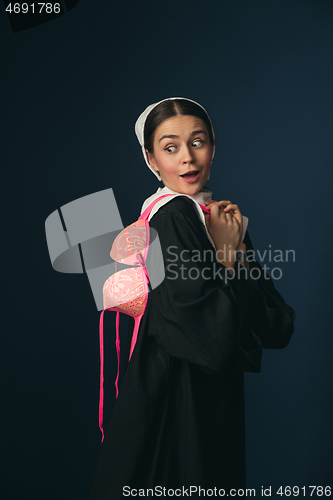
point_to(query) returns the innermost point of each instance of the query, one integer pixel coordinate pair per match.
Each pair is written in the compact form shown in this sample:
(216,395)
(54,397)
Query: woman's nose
(187,156)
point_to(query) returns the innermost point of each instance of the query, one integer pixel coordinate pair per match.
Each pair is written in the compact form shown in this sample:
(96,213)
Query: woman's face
(182,153)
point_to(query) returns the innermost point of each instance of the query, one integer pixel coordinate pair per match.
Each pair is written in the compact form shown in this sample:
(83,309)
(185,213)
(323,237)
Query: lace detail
(131,241)
(125,291)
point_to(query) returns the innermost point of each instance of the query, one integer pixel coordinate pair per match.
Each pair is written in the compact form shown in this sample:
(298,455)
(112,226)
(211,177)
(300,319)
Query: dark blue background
(71,90)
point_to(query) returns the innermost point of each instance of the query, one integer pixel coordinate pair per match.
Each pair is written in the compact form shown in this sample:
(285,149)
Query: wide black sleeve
(271,318)
(200,313)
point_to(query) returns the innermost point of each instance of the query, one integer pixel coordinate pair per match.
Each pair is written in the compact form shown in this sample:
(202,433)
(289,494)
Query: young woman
(178,422)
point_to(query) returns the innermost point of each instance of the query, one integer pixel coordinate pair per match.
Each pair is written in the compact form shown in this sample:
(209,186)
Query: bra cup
(129,242)
(125,291)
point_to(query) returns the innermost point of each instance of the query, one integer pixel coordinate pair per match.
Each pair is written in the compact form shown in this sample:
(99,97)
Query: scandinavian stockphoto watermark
(190,264)
(81,233)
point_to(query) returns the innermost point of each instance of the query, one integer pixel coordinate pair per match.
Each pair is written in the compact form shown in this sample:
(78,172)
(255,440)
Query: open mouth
(191,174)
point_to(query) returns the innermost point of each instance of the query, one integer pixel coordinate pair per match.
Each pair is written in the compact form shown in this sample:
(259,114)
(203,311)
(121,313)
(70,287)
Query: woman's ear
(151,160)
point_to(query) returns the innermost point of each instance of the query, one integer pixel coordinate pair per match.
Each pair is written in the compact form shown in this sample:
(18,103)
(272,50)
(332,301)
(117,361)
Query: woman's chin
(186,188)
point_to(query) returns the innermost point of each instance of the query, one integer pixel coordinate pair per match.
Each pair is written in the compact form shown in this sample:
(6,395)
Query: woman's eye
(170,148)
(198,141)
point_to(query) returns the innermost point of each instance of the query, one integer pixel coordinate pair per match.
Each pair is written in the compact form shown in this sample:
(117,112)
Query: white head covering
(140,125)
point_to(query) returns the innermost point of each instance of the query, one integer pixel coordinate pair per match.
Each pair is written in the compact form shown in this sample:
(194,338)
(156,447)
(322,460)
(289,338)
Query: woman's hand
(225,225)
(241,258)
(233,210)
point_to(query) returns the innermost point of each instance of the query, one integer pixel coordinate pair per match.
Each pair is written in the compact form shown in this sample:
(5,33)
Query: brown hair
(167,109)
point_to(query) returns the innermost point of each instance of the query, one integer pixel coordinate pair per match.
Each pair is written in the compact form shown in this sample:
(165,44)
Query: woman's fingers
(224,212)
(214,209)
(224,227)
(216,213)
(228,206)
(236,213)
(232,206)
(219,203)
(234,210)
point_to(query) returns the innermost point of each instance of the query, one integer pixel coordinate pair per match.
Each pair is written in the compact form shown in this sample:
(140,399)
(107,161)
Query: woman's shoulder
(179,217)
(180,205)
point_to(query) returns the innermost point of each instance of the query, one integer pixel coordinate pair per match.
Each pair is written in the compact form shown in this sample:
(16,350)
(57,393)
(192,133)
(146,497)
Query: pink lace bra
(126,291)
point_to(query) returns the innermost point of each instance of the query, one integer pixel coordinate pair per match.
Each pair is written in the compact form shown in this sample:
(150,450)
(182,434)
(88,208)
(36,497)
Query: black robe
(179,417)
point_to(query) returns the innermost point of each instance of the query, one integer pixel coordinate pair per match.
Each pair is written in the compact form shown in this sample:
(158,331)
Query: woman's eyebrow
(172,136)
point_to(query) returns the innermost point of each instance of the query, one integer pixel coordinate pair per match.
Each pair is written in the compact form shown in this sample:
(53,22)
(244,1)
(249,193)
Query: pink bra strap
(118,352)
(137,322)
(142,263)
(146,213)
(101,373)
(204,208)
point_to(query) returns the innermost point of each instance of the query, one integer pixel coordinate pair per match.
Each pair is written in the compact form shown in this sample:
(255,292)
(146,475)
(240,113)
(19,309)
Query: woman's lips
(191,176)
